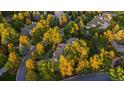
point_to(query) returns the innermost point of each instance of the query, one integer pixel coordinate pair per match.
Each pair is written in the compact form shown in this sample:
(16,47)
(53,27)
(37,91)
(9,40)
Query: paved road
(101,76)
(22,68)
(3,70)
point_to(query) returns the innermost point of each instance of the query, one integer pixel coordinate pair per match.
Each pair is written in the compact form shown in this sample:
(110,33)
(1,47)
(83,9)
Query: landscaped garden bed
(62,46)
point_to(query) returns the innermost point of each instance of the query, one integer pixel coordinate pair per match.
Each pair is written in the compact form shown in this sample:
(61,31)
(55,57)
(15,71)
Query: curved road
(101,76)
(21,73)
(3,70)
